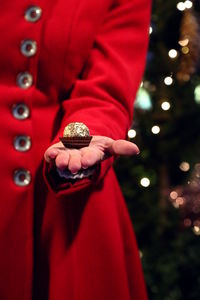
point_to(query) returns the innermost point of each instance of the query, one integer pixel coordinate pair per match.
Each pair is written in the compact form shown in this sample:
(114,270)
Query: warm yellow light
(188,4)
(183,42)
(155,129)
(180,201)
(196,230)
(184,166)
(145,182)
(165,105)
(185,50)
(173,195)
(150,30)
(132,133)
(168,80)
(176,205)
(172,53)
(180,6)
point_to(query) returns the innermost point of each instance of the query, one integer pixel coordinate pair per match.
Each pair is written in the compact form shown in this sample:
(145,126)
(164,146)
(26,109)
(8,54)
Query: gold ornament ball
(76,129)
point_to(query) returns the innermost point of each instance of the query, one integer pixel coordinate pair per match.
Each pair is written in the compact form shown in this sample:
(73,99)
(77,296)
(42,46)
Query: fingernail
(74,173)
(137,153)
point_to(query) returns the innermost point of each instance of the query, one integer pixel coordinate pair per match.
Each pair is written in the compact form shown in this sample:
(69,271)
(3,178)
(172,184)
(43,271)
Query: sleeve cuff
(61,186)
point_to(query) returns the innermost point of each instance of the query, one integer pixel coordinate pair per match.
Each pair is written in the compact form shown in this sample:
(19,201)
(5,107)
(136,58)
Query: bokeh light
(155,129)
(165,105)
(168,80)
(132,133)
(145,182)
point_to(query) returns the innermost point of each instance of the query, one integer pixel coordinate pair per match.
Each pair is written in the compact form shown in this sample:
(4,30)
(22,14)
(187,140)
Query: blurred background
(162,185)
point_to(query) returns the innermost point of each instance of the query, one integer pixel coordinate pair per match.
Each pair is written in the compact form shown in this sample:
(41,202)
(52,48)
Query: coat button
(28,48)
(22,177)
(33,14)
(22,143)
(24,80)
(20,111)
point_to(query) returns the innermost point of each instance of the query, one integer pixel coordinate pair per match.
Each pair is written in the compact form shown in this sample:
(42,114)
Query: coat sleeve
(103,97)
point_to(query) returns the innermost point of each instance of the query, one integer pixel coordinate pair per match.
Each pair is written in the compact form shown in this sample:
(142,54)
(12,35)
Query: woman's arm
(103,98)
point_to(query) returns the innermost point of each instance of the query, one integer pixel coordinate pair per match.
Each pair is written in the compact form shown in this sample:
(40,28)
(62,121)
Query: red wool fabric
(63,240)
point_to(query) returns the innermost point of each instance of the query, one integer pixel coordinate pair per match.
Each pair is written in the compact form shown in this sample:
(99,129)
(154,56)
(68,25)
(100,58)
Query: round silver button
(24,80)
(28,48)
(22,177)
(20,111)
(33,14)
(22,143)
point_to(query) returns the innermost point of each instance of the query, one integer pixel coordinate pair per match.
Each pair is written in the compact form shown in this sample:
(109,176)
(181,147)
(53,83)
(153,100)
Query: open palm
(100,147)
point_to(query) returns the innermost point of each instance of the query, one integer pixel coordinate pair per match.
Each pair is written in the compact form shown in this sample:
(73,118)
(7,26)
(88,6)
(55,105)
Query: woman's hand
(100,147)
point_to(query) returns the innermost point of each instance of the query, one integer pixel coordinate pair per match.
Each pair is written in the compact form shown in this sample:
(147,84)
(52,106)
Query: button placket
(24,80)
(28,47)
(33,14)
(22,177)
(20,111)
(22,143)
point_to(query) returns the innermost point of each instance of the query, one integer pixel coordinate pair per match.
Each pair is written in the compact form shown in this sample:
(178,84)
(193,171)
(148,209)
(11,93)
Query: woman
(68,61)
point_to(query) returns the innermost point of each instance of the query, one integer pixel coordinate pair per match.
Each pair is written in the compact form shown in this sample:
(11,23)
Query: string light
(132,133)
(143,99)
(184,166)
(185,50)
(155,129)
(172,53)
(188,4)
(150,30)
(168,80)
(165,105)
(145,182)
(196,230)
(180,201)
(173,195)
(183,42)
(181,6)
(176,205)
(197,93)
(184,5)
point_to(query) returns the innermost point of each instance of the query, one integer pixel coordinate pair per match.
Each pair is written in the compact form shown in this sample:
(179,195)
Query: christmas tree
(162,184)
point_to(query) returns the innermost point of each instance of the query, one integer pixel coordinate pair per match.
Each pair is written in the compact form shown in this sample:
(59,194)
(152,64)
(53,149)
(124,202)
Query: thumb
(122,147)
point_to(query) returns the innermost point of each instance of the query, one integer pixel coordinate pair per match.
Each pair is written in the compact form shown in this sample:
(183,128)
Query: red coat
(60,62)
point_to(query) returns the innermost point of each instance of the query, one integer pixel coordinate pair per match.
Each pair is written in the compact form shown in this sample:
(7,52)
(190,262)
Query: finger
(62,160)
(122,147)
(51,154)
(101,142)
(53,151)
(112,147)
(74,164)
(90,156)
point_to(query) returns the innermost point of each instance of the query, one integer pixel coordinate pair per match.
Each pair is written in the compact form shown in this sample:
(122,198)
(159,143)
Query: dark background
(166,213)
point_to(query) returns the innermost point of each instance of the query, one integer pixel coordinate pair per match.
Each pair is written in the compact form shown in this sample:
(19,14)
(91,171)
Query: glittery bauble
(76,129)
